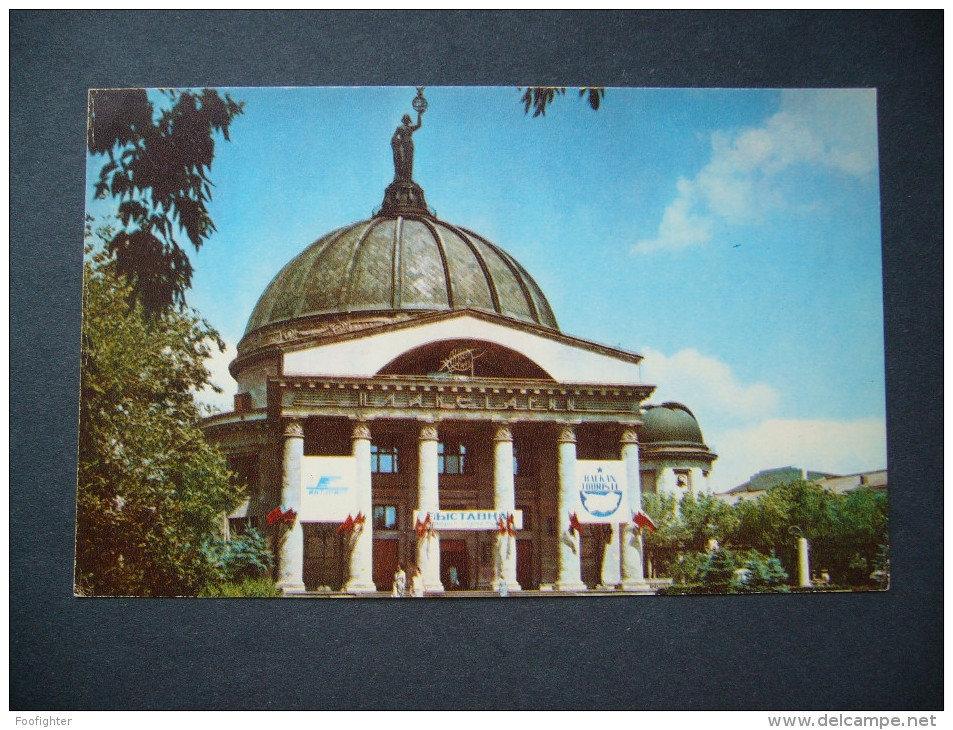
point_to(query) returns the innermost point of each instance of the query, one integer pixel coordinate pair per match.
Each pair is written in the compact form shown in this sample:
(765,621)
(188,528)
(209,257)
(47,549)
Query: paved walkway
(477,594)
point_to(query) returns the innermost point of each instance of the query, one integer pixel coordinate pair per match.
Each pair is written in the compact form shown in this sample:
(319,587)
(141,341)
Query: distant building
(767,479)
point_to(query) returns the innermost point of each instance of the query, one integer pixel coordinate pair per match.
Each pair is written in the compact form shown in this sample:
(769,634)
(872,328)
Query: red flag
(500,526)
(511,525)
(288,517)
(574,525)
(274,515)
(360,519)
(347,526)
(422,527)
(643,520)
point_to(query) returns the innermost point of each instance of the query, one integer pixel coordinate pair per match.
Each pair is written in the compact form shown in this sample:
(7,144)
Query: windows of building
(451,457)
(384,458)
(385,517)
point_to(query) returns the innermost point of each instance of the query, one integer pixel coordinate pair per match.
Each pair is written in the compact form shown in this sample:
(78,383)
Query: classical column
(291,547)
(504,500)
(570,576)
(633,573)
(361,578)
(612,558)
(428,501)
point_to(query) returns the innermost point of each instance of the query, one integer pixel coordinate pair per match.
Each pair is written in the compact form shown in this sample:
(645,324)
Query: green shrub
(762,574)
(718,573)
(246,556)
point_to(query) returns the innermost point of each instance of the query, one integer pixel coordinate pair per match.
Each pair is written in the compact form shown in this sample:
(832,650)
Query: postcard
(508,342)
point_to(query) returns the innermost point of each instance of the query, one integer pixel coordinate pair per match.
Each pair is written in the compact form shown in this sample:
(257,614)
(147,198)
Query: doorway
(385,563)
(323,556)
(455,565)
(525,566)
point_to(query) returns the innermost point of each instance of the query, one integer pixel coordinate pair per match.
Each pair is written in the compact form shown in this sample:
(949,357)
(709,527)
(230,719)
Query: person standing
(400,582)
(417,583)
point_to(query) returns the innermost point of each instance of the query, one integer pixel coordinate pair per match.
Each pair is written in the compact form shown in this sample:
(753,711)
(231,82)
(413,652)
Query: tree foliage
(538,98)
(847,533)
(151,491)
(158,169)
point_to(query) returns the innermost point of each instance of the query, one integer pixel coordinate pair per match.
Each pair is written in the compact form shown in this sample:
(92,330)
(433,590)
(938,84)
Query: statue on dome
(402,142)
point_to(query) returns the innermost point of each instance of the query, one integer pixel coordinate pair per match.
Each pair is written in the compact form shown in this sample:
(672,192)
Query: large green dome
(670,423)
(397,263)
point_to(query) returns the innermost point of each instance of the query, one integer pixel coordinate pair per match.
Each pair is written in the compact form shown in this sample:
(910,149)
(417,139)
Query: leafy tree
(686,529)
(663,544)
(860,524)
(151,491)
(705,518)
(538,98)
(768,523)
(158,170)
(847,534)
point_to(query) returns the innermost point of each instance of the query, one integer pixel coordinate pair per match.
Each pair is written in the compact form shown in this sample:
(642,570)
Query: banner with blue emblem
(328,492)
(601,492)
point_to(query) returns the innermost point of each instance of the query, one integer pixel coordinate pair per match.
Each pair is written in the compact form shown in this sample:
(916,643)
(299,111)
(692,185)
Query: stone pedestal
(570,573)
(428,500)
(291,548)
(361,578)
(633,571)
(803,563)
(504,500)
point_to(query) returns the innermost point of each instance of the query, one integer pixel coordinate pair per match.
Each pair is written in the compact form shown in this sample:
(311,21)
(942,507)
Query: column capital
(361,431)
(629,436)
(567,435)
(293,428)
(428,432)
(503,432)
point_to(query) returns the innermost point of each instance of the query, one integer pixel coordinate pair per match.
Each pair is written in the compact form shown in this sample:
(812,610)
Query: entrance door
(323,556)
(525,572)
(454,565)
(385,563)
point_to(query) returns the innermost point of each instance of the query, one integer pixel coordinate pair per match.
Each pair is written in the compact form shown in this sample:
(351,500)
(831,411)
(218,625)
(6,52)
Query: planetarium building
(405,396)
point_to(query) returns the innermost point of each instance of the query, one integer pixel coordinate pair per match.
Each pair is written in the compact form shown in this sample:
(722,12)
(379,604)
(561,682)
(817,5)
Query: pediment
(532,352)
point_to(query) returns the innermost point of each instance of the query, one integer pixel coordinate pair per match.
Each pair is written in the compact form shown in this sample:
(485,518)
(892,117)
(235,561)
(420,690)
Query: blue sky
(732,237)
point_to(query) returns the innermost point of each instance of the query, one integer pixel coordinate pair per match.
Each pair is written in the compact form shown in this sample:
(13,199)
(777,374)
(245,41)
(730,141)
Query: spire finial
(404,196)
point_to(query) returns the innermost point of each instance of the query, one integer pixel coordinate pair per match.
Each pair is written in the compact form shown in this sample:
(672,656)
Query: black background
(829,652)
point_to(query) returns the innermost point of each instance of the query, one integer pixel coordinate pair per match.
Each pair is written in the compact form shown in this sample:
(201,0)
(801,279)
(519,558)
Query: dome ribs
(264,312)
(389,264)
(515,269)
(494,294)
(397,282)
(344,302)
(443,258)
(329,241)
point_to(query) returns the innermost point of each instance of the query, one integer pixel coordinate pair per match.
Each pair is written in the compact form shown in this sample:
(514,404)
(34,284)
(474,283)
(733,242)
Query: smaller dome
(670,423)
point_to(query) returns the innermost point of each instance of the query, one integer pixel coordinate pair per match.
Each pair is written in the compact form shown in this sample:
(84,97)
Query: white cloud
(829,129)
(838,447)
(680,228)
(706,385)
(217,363)
(740,422)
